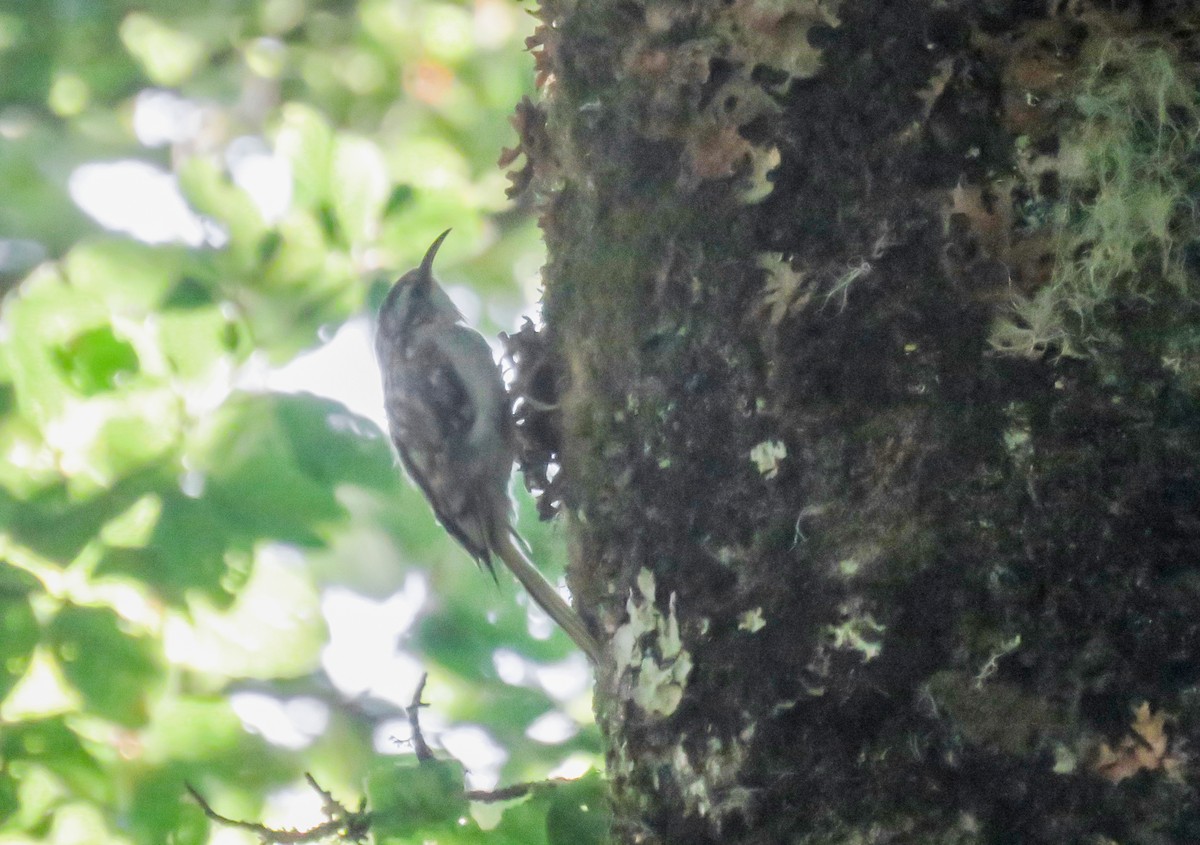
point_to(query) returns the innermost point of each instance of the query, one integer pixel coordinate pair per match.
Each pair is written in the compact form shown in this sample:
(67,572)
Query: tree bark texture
(870,377)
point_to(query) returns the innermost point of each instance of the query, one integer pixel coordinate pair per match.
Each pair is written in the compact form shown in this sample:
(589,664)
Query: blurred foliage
(203,580)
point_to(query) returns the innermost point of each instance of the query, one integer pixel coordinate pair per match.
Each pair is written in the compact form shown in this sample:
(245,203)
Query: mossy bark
(877,555)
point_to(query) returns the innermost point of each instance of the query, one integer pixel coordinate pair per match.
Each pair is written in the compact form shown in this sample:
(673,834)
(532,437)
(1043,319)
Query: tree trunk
(871,364)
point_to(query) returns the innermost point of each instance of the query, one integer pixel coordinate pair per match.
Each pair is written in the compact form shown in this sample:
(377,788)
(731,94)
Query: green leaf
(306,139)
(57,525)
(32,205)
(579,812)
(459,642)
(124,274)
(273,463)
(193,729)
(185,552)
(50,743)
(299,258)
(93,360)
(29,59)
(17,583)
(187,293)
(336,446)
(161,811)
(254,476)
(269,466)
(200,738)
(360,187)
(18,632)
(9,803)
(407,796)
(112,670)
(133,433)
(273,629)
(198,339)
(523,823)
(400,198)
(211,193)
(46,313)
(559,813)
(169,56)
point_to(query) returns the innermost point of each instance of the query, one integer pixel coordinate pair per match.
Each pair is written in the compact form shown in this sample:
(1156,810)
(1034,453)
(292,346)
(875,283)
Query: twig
(508,793)
(423,752)
(420,747)
(350,825)
(354,825)
(504,793)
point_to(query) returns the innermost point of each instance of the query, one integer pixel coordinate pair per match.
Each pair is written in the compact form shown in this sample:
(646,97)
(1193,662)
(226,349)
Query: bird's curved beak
(426,267)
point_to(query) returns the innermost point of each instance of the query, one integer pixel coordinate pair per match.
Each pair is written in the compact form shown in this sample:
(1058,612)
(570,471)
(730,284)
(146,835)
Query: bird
(450,421)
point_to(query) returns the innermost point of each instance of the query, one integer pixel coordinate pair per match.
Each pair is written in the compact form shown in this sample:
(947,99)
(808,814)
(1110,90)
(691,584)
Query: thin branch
(504,793)
(423,752)
(354,825)
(346,823)
(326,796)
(508,793)
(422,749)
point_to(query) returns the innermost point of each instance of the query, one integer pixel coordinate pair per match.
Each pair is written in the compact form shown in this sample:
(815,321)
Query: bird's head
(417,298)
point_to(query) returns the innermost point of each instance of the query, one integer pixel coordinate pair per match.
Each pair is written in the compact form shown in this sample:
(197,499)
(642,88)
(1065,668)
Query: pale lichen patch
(787,290)
(710,786)
(752,620)
(652,663)
(778,32)
(858,631)
(767,456)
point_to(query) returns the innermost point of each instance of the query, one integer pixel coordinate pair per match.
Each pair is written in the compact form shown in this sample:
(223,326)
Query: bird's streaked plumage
(449,419)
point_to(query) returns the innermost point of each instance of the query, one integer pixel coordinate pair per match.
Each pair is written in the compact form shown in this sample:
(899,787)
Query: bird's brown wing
(434,410)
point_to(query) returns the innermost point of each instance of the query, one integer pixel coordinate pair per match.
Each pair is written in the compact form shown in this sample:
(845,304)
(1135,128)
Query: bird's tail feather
(546,596)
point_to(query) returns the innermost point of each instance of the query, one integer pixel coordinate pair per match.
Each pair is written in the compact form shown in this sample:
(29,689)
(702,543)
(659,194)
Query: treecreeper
(451,423)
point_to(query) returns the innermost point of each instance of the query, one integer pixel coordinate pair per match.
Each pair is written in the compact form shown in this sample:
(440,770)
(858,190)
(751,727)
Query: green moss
(995,715)
(1137,145)
(1129,173)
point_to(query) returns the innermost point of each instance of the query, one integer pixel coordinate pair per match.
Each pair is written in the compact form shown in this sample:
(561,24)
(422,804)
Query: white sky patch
(566,680)
(469,304)
(42,691)
(192,483)
(493,24)
(344,369)
(474,747)
(70,435)
(140,200)
(163,117)
(512,668)
(575,766)
(537,621)
(391,737)
(297,806)
(394,736)
(289,723)
(363,654)
(552,728)
(265,177)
